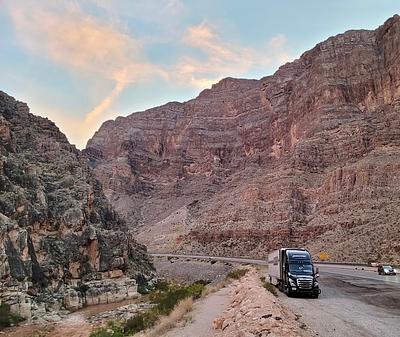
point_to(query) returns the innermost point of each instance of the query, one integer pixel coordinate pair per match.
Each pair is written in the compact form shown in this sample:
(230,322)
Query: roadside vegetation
(170,302)
(269,286)
(237,273)
(7,318)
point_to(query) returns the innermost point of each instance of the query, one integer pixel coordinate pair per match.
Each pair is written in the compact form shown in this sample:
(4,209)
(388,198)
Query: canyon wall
(308,156)
(58,233)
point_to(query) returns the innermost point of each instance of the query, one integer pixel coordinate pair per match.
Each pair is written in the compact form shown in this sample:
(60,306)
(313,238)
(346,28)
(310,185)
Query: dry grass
(212,288)
(180,312)
(168,322)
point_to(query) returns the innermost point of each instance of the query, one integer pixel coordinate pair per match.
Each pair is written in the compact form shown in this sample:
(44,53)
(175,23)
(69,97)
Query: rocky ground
(242,309)
(254,311)
(183,270)
(80,323)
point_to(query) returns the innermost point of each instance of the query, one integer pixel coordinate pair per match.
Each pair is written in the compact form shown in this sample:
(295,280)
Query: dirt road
(203,314)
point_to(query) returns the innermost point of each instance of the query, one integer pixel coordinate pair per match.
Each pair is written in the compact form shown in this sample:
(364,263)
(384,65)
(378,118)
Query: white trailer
(274,272)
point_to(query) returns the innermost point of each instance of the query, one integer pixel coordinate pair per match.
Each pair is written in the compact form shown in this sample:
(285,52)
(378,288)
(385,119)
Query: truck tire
(289,292)
(280,287)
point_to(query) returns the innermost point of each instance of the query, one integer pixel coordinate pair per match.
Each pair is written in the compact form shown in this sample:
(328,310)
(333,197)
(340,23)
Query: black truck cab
(298,273)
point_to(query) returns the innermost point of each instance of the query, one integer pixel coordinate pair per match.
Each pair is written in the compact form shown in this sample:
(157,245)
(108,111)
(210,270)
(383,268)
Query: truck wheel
(280,287)
(315,295)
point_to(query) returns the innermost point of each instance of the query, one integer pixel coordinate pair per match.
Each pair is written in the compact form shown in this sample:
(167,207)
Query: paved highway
(354,302)
(359,271)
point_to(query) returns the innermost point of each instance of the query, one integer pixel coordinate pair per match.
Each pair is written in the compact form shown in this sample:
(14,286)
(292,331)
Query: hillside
(57,230)
(308,156)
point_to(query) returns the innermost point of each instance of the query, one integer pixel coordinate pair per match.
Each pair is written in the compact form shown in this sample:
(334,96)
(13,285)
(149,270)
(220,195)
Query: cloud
(221,58)
(67,36)
(149,10)
(99,48)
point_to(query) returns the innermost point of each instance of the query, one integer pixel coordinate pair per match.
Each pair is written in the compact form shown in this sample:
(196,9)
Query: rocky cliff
(57,230)
(308,156)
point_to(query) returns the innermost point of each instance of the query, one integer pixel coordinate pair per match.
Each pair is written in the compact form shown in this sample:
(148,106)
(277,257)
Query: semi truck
(292,271)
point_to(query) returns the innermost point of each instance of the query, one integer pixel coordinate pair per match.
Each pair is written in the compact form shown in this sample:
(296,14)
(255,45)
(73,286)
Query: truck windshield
(301,268)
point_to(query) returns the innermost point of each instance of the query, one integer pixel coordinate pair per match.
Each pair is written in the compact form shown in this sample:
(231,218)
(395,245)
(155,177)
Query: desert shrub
(149,288)
(7,318)
(270,287)
(161,285)
(141,321)
(195,290)
(164,302)
(170,299)
(112,329)
(237,273)
(142,289)
(168,322)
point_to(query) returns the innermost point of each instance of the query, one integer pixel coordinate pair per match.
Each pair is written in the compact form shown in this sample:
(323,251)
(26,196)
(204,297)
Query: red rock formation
(309,156)
(57,229)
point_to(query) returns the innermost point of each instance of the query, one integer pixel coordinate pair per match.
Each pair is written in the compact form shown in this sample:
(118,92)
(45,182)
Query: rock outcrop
(254,311)
(309,156)
(59,236)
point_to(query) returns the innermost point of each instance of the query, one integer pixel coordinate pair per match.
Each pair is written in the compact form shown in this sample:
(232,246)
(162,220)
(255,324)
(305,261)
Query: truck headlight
(316,284)
(292,282)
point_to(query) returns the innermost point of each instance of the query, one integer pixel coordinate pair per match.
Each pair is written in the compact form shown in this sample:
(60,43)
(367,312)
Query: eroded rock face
(308,156)
(56,227)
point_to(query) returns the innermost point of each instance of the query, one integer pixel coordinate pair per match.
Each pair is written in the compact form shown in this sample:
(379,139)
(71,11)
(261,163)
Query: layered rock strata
(309,156)
(57,230)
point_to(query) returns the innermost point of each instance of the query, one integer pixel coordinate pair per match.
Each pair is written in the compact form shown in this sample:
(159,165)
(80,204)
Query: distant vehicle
(292,271)
(386,270)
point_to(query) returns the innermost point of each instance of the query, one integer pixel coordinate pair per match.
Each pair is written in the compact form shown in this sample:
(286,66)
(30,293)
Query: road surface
(355,300)
(352,304)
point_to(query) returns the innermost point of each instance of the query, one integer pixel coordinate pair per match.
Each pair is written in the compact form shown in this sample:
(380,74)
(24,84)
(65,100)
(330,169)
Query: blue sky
(83,62)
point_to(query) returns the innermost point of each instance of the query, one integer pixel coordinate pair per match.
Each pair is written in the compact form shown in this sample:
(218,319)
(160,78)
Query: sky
(82,62)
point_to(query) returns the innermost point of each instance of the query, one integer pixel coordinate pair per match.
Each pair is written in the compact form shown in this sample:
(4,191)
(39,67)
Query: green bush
(195,290)
(112,329)
(7,318)
(166,304)
(142,289)
(237,274)
(161,286)
(141,321)
(164,297)
(145,289)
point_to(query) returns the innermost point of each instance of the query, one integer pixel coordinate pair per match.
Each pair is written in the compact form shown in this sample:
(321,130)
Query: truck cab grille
(304,283)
